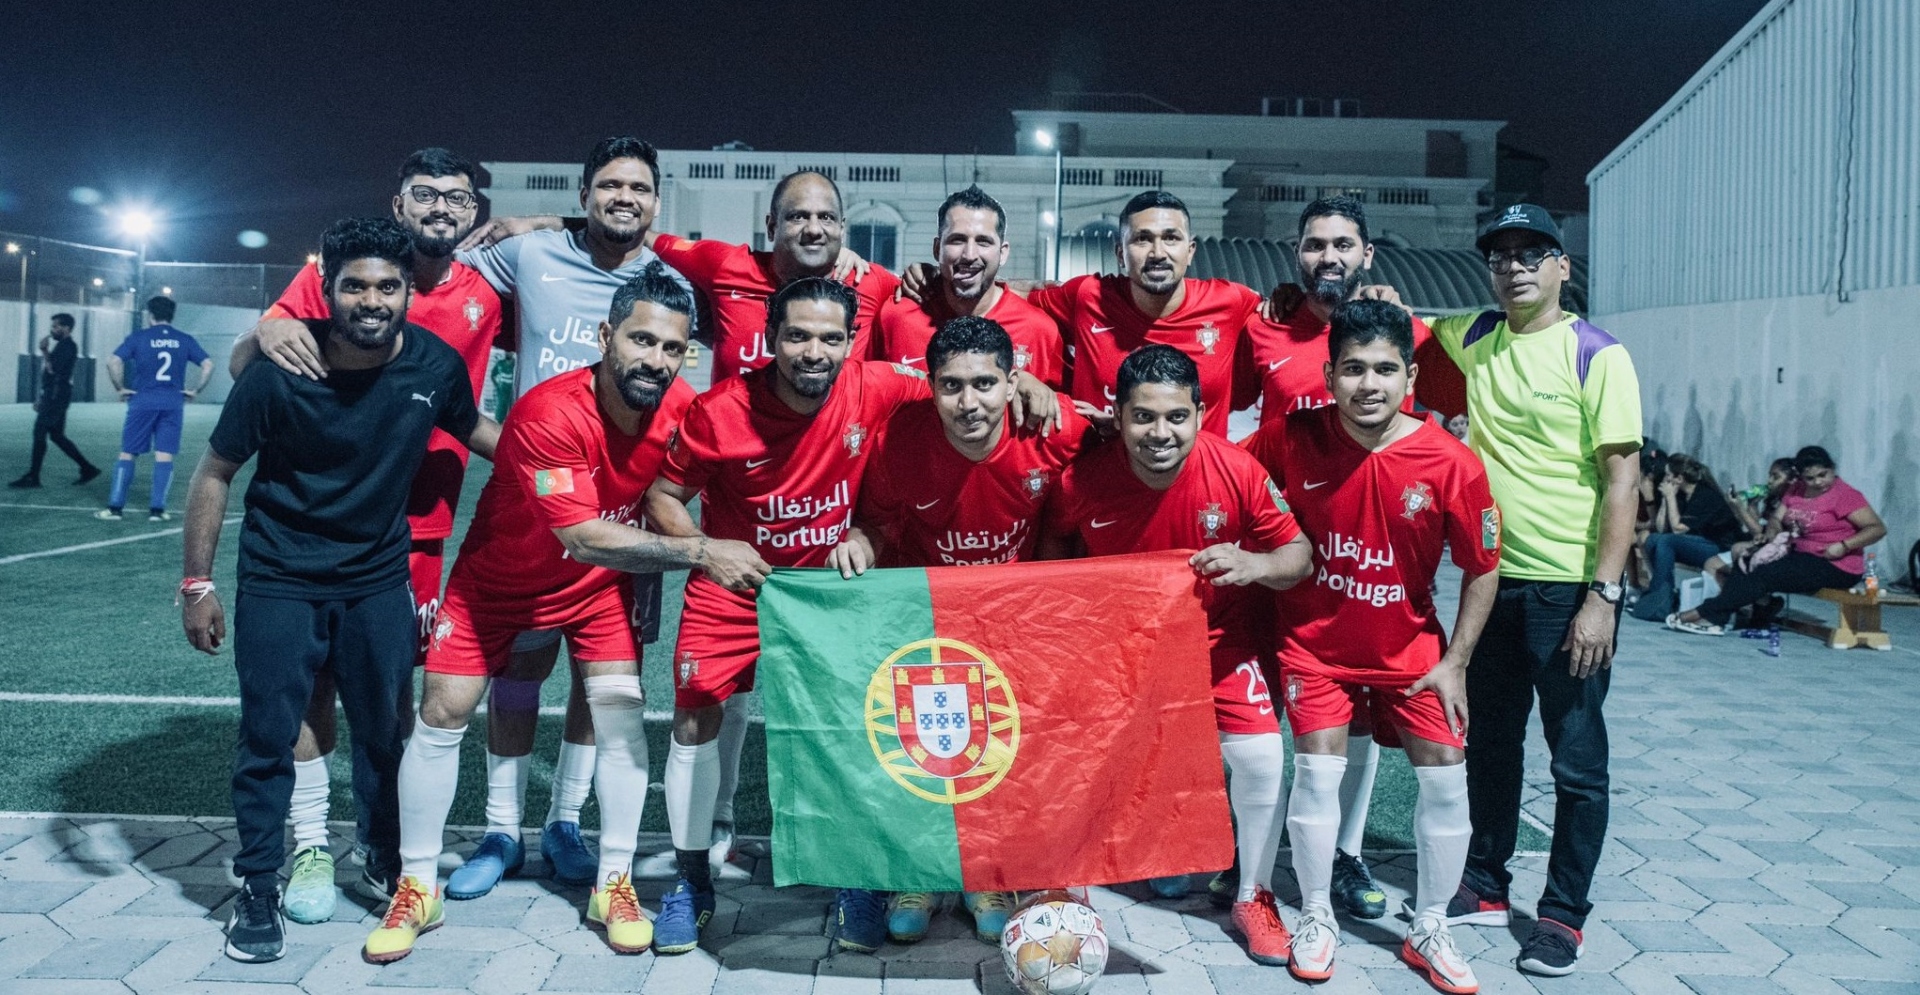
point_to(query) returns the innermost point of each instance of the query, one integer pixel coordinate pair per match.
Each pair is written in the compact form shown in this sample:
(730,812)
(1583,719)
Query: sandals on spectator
(1700,628)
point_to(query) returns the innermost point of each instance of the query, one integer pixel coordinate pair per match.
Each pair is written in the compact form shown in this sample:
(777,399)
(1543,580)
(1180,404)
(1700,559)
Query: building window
(875,243)
(1149,178)
(1080,176)
(830,172)
(753,171)
(1289,193)
(1401,195)
(873,174)
(549,182)
(706,170)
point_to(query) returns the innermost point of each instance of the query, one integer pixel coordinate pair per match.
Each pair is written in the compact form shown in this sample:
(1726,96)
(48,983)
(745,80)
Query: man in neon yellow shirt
(1554,412)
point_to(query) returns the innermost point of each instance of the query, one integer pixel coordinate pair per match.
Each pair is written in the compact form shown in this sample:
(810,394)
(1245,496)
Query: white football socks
(620,766)
(1313,824)
(429,775)
(1259,767)
(572,779)
(308,809)
(693,783)
(733,741)
(1441,831)
(1356,790)
(506,793)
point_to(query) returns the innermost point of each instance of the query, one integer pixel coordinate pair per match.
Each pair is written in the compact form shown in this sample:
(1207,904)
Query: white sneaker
(1314,938)
(1429,947)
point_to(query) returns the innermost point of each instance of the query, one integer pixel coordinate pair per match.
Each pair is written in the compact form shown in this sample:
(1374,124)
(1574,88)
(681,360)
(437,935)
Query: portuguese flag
(1025,726)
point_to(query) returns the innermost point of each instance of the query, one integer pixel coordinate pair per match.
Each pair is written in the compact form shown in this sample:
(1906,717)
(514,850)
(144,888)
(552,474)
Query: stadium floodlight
(13,248)
(98,282)
(1048,218)
(137,224)
(166,291)
(1043,138)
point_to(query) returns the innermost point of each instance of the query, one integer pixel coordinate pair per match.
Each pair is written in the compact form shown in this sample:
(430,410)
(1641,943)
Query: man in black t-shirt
(323,578)
(50,406)
(1692,523)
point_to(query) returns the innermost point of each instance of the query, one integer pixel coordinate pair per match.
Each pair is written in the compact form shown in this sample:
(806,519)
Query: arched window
(876,242)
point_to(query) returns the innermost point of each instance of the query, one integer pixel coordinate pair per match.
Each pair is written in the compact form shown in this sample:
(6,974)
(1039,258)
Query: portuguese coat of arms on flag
(1022,726)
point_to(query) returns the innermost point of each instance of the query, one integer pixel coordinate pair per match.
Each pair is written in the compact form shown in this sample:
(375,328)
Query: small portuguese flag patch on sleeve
(546,482)
(1009,727)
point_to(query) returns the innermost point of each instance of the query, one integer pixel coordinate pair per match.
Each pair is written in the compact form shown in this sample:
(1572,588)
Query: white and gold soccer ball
(1054,945)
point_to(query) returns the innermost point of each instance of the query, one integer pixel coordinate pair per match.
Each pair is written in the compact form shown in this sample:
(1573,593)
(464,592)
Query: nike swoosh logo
(736,296)
(1098,524)
(550,278)
(752,463)
(1100,329)
(1276,364)
(910,360)
(1311,486)
(922,507)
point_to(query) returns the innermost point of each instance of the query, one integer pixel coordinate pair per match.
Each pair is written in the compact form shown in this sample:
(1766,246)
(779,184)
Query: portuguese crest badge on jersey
(1212,519)
(1208,336)
(942,720)
(473,313)
(1035,484)
(856,434)
(1415,499)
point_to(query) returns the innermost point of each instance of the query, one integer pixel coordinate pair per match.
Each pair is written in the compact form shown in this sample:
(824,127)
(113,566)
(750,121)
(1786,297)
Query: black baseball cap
(1523,217)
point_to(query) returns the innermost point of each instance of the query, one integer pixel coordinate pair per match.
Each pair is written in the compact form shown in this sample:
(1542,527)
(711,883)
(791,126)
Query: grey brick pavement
(1764,841)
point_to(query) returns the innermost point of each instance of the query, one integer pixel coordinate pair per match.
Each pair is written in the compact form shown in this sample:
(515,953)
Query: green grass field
(81,617)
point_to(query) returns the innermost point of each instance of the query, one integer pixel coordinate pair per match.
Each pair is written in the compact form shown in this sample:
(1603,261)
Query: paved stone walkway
(1765,839)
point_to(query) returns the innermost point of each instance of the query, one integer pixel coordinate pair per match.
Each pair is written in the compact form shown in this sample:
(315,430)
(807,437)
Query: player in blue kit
(150,370)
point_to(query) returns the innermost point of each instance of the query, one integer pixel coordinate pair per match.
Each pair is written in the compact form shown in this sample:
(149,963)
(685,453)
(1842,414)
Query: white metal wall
(1789,166)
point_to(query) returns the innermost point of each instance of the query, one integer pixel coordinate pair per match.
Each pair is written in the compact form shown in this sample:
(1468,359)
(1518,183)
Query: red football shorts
(719,644)
(426,563)
(1315,701)
(475,639)
(1242,703)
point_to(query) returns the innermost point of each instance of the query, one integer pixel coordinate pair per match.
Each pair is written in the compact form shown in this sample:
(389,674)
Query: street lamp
(138,225)
(13,249)
(1048,140)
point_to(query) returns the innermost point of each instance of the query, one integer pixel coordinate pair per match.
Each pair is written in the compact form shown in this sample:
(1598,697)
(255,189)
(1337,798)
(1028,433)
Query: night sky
(282,117)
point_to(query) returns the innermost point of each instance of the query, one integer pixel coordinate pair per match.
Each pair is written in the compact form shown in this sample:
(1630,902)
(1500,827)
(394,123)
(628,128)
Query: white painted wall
(1740,383)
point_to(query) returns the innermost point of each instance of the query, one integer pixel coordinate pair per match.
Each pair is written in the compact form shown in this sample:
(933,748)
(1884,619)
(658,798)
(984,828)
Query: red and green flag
(982,728)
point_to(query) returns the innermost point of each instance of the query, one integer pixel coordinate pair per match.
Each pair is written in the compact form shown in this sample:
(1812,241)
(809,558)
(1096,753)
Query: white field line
(45,698)
(52,507)
(83,547)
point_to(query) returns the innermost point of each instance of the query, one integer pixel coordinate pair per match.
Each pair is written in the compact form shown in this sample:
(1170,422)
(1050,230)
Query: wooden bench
(1859,619)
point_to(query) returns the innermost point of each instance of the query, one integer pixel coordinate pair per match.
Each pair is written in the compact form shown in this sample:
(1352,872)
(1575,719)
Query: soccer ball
(1054,945)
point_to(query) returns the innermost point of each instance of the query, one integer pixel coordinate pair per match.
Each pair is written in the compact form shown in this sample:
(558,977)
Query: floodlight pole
(1059,215)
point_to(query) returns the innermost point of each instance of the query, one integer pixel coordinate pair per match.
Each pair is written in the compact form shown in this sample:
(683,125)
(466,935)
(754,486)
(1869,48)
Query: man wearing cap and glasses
(1554,413)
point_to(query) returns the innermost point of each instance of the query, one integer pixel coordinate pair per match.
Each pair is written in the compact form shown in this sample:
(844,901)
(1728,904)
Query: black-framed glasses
(426,195)
(1529,258)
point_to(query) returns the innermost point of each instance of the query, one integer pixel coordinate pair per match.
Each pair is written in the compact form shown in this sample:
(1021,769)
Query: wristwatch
(1608,592)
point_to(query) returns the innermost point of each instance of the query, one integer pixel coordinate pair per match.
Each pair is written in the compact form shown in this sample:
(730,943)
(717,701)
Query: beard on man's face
(1331,287)
(642,388)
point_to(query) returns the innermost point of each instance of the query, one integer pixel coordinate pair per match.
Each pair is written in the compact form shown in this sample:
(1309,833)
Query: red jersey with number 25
(560,462)
(1098,318)
(464,311)
(906,326)
(1291,356)
(1220,495)
(942,509)
(737,282)
(1377,521)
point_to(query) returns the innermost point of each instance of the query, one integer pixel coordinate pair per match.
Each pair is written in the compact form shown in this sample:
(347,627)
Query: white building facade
(1756,245)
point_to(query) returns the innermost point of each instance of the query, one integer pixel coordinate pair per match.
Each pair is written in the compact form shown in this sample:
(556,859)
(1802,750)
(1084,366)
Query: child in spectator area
(1830,522)
(1754,505)
(1692,523)
(1458,426)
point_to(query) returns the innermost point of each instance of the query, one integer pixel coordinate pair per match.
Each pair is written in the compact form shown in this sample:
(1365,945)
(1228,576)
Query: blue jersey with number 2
(157,360)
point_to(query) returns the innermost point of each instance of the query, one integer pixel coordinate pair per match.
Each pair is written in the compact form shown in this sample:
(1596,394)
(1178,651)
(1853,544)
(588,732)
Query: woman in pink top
(1831,523)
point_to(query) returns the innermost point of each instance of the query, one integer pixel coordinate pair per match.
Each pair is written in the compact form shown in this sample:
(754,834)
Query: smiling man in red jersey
(970,249)
(1165,483)
(1381,494)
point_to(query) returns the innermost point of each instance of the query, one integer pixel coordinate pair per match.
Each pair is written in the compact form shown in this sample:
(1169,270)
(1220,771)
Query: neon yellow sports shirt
(1538,407)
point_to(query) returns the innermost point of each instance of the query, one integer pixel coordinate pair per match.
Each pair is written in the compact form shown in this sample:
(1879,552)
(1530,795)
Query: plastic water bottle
(1773,641)
(1871,580)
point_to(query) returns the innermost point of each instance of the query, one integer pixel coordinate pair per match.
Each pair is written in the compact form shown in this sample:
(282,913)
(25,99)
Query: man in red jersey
(1381,493)
(556,533)
(1165,483)
(1104,318)
(806,228)
(777,458)
(437,204)
(956,482)
(1289,351)
(970,249)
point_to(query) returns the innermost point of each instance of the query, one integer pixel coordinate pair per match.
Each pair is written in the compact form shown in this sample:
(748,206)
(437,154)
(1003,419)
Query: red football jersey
(940,508)
(1097,316)
(906,326)
(1377,521)
(464,311)
(1220,495)
(560,462)
(1292,355)
(737,282)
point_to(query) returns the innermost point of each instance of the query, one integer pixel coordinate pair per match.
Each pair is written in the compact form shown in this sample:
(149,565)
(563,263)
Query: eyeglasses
(426,195)
(1529,258)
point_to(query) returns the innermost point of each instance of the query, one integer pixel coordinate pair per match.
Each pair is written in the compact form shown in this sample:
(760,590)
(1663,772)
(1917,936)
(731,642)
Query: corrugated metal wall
(1789,167)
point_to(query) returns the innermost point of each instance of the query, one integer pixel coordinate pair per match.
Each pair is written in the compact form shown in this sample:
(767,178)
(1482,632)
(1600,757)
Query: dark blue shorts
(157,429)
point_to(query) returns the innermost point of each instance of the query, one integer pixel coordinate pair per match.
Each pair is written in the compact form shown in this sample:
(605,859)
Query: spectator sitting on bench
(1755,506)
(1653,469)
(1829,523)
(1692,523)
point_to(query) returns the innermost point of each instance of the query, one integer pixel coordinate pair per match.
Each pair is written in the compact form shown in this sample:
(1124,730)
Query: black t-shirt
(326,513)
(1707,515)
(56,378)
